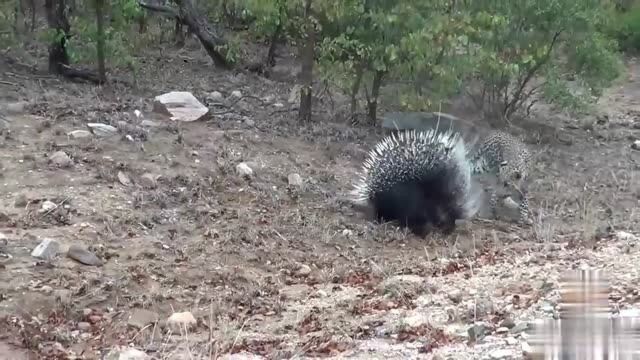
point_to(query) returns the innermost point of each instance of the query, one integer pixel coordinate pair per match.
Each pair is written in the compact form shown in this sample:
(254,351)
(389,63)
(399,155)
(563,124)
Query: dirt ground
(272,270)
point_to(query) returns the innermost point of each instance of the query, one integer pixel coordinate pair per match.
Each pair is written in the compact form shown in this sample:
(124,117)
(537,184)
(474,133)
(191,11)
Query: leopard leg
(524,211)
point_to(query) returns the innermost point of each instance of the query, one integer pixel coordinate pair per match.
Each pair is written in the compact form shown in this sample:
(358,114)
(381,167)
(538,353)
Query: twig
(7,83)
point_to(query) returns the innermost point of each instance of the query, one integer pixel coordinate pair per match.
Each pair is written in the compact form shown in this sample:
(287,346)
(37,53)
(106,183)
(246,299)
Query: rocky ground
(149,238)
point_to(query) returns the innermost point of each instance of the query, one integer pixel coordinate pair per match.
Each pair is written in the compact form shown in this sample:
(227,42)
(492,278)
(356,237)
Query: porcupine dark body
(420,179)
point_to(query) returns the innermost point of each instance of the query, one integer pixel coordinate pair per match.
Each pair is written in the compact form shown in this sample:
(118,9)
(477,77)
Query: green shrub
(625,28)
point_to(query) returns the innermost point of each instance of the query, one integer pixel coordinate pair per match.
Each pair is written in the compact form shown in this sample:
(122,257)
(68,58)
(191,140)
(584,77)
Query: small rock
(511,340)
(455,296)
(303,270)
(63,296)
(236,94)
(46,250)
(83,256)
(123,179)
(244,170)
(548,308)
(347,233)
(140,318)
(47,206)
(502,354)
(526,349)
(502,330)
(126,353)
(249,122)
(60,159)
(178,321)
(16,107)
(20,200)
(636,145)
(87,312)
(46,289)
(102,130)
(278,105)
(294,179)
(148,181)
(477,332)
(79,134)
(84,326)
(518,328)
(294,94)
(625,236)
(215,96)
(149,123)
(508,322)
(510,203)
(482,307)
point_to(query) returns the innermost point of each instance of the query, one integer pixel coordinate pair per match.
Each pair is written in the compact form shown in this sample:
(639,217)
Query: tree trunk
(178,34)
(306,74)
(32,5)
(355,89)
(58,21)
(102,72)
(372,103)
(275,37)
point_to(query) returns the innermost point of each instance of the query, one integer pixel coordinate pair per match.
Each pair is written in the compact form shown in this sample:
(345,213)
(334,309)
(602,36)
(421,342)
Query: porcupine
(420,179)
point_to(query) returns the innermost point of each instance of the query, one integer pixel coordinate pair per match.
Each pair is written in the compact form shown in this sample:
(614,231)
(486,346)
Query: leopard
(508,160)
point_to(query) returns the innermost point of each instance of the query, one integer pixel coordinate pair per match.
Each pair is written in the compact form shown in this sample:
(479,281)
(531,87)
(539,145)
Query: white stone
(102,130)
(244,170)
(46,250)
(180,106)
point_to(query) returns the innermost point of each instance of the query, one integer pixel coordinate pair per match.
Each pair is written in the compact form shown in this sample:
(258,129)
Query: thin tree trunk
(32,4)
(372,103)
(271,54)
(102,72)
(355,89)
(306,73)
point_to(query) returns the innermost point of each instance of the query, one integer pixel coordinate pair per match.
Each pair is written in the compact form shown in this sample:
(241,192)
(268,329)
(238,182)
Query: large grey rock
(180,106)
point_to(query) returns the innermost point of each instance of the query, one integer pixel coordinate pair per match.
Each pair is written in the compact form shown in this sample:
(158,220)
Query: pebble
(148,181)
(236,94)
(60,159)
(46,250)
(79,134)
(126,353)
(244,170)
(102,130)
(455,296)
(518,328)
(636,145)
(20,201)
(140,318)
(477,332)
(304,270)
(84,326)
(294,179)
(278,105)
(215,96)
(502,330)
(178,321)
(83,256)
(502,354)
(123,179)
(48,206)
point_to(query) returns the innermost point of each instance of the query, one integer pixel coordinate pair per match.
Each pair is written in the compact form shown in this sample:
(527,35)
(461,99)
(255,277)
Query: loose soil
(269,269)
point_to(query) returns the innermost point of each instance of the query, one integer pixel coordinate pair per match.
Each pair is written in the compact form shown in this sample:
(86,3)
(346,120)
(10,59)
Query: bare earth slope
(273,270)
